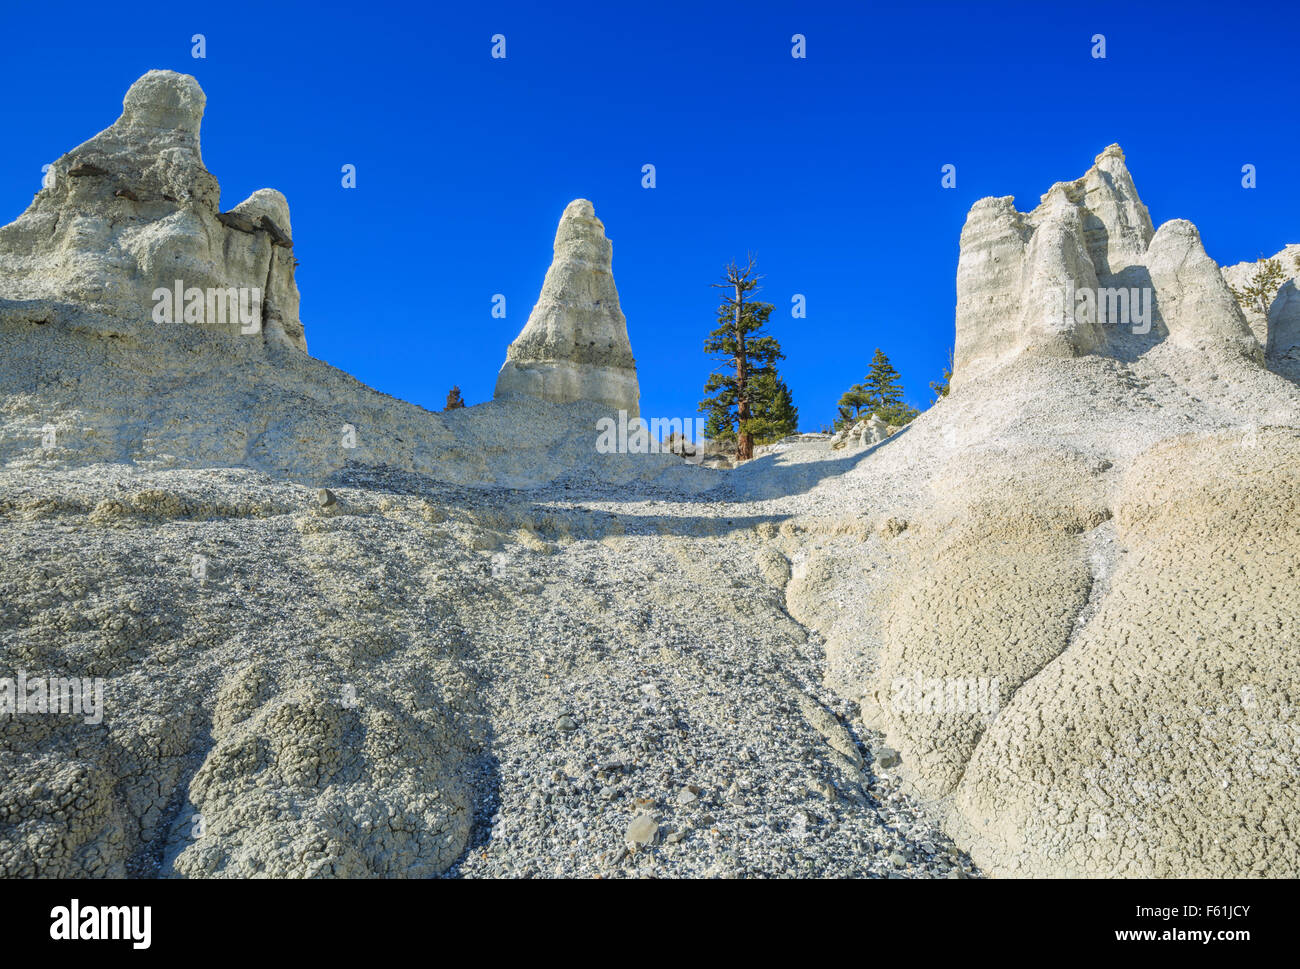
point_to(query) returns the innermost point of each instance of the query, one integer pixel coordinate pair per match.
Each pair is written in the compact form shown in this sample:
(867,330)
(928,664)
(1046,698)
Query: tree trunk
(744,441)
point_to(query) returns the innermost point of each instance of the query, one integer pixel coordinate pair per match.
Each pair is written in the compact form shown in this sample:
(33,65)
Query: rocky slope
(1050,627)
(1100,534)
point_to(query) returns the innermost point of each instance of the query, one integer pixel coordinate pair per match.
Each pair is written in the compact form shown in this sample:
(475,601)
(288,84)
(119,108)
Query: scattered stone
(825,789)
(829,726)
(233,220)
(85,169)
(642,831)
(891,527)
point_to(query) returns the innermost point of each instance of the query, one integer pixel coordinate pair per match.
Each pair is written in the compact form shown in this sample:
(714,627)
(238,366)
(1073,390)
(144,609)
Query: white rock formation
(575,345)
(134,210)
(90,377)
(1044,643)
(1066,596)
(1116,224)
(1020,278)
(1278,331)
(864,433)
(1056,261)
(1198,309)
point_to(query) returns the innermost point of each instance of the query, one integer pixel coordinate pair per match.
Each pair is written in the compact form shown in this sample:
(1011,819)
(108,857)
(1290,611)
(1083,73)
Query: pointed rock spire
(1117,225)
(993,243)
(1056,266)
(575,345)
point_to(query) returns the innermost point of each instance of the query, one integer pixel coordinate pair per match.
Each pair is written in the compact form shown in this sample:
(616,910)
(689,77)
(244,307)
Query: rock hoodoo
(133,210)
(575,345)
(125,378)
(1085,270)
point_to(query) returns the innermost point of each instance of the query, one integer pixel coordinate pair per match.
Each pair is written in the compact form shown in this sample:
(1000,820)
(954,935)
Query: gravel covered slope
(419,678)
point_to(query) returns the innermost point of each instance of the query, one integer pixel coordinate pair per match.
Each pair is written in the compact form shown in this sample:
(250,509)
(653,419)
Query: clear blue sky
(827,168)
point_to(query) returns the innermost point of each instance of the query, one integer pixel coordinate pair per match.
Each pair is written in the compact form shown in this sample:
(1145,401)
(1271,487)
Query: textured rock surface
(133,210)
(195,398)
(1117,226)
(1125,589)
(989,273)
(575,345)
(1172,734)
(228,745)
(1056,259)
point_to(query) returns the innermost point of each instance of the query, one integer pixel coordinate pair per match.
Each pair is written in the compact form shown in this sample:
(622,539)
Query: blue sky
(827,168)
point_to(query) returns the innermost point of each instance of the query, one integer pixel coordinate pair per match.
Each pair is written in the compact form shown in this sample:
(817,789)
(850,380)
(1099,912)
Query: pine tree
(883,385)
(744,353)
(454,399)
(940,387)
(852,406)
(881,393)
(774,413)
(1263,285)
